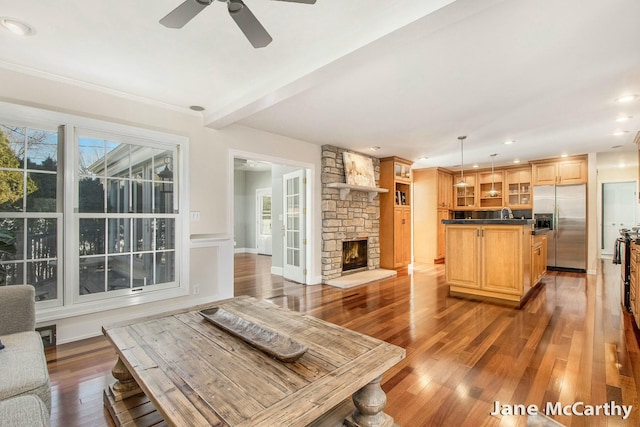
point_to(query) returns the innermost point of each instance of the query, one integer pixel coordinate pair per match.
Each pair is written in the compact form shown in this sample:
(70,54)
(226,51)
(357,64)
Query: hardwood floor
(569,343)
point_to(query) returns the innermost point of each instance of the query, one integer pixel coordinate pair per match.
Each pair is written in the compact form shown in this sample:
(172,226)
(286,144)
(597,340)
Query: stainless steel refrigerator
(566,206)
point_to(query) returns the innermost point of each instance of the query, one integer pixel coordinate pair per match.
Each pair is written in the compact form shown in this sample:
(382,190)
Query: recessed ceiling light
(627,98)
(374,148)
(617,146)
(423,159)
(475,165)
(564,155)
(516,161)
(620,132)
(508,142)
(196,108)
(16,27)
(623,119)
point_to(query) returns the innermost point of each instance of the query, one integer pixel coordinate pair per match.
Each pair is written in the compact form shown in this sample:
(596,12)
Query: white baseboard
(245,251)
(278,271)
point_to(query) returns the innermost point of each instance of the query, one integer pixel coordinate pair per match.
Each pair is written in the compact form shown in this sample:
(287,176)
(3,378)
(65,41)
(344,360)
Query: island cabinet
(489,258)
(538,257)
(395,213)
(564,171)
(432,203)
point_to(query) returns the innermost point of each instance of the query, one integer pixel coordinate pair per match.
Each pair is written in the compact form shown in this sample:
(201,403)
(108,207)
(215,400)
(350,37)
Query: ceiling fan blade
(301,1)
(250,26)
(184,13)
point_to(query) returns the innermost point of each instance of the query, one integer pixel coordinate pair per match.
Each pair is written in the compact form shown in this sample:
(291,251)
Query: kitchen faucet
(505,213)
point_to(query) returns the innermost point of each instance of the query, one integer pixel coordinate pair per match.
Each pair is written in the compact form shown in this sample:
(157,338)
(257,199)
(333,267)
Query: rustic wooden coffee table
(182,369)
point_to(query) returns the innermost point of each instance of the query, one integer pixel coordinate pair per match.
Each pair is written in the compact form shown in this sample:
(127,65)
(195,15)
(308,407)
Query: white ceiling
(408,76)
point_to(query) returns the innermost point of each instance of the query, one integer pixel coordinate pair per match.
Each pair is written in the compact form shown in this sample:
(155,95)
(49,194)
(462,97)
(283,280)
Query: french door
(294,226)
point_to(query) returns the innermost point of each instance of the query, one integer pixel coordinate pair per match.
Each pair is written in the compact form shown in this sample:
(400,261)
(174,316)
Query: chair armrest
(17,309)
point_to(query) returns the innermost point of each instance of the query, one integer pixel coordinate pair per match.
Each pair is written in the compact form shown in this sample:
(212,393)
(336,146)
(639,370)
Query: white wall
(209,177)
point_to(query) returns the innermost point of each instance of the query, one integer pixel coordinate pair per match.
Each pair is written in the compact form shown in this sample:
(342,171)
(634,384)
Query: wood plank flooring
(571,342)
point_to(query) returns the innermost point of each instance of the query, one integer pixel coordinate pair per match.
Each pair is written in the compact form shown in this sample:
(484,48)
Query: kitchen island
(500,259)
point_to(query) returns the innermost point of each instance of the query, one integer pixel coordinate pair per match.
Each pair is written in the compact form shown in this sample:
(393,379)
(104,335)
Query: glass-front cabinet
(465,197)
(519,189)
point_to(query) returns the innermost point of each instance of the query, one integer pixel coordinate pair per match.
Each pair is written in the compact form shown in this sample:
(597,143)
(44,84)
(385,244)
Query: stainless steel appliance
(622,256)
(564,207)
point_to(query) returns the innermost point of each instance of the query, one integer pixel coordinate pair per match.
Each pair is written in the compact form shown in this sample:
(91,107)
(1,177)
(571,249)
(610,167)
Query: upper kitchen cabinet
(465,197)
(445,189)
(395,213)
(558,172)
(486,182)
(518,187)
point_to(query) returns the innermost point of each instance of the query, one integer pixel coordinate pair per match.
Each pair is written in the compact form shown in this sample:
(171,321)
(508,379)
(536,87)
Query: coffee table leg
(126,385)
(369,402)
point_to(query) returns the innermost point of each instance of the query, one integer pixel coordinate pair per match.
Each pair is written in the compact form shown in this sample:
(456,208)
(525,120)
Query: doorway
(263,221)
(270,215)
(618,211)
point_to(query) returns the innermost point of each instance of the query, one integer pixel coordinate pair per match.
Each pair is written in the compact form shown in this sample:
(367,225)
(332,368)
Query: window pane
(92,275)
(43,276)
(142,270)
(119,232)
(163,165)
(12,140)
(165,233)
(90,195)
(43,196)
(165,267)
(118,159)
(142,234)
(12,191)
(118,272)
(118,196)
(141,159)
(164,197)
(42,238)
(91,154)
(14,273)
(17,227)
(42,150)
(141,197)
(91,232)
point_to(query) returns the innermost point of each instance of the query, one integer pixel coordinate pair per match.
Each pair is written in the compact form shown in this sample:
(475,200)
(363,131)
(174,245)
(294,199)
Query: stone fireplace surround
(351,219)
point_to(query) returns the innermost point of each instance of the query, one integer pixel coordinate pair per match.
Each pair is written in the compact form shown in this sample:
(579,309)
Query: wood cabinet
(538,258)
(487,181)
(557,172)
(432,201)
(518,188)
(465,197)
(445,189)
(489,260)
(395,213)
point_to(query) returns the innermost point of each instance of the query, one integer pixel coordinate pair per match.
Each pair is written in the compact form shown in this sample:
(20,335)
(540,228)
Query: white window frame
(68,304)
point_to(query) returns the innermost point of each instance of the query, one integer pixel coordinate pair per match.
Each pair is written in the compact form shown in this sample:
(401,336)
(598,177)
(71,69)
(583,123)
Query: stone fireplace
(346,220)
(354,256)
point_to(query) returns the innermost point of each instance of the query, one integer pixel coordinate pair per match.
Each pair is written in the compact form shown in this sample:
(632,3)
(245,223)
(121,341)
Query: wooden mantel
(346,188)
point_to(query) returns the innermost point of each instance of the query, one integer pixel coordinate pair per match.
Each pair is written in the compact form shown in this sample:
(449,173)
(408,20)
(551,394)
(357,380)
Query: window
(95,209)
(30,208)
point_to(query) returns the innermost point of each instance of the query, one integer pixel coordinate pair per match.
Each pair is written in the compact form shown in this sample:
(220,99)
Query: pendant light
(493,192)
(462,182)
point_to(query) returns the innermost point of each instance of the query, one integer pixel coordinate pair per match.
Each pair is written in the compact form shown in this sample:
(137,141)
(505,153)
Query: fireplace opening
(354,256)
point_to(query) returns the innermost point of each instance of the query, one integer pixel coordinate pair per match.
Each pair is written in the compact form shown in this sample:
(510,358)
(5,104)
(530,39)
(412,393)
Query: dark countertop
(489,221)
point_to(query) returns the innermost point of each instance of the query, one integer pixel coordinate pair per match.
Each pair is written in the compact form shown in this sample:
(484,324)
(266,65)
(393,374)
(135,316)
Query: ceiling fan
(250,26)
